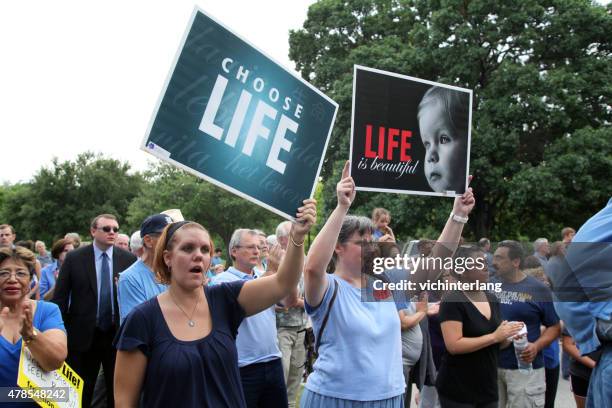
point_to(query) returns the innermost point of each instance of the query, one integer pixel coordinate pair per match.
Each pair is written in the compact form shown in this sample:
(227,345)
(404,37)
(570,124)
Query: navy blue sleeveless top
(199,373)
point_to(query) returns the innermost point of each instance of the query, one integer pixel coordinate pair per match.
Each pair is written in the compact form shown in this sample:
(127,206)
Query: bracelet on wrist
(27,340)
(293,241)
(458,218)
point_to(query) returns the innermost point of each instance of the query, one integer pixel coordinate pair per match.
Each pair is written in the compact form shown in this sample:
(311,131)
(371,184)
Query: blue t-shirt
(528,301)
(257,340)
(47,278)
(194,374)
(360,355)
(46,316)
(136,285)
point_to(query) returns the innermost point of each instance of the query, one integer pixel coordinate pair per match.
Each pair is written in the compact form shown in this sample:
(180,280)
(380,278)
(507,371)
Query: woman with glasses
(38,324)
(180,347)
(360,348)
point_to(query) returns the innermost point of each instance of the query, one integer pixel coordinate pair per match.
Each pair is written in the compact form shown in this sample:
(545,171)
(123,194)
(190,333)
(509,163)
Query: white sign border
(357,67)
(164,156)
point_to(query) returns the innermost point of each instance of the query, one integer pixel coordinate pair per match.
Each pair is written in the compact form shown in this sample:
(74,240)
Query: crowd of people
(158,318)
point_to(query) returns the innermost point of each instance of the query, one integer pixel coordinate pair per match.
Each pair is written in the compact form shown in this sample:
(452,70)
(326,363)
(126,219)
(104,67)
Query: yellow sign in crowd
(61,388)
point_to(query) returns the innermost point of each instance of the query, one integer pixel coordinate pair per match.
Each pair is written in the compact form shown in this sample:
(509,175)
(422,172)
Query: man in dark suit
(86,293)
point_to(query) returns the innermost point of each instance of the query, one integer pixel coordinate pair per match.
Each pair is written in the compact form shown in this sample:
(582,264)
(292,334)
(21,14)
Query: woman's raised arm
(259,294)
(322,248)
(449,238)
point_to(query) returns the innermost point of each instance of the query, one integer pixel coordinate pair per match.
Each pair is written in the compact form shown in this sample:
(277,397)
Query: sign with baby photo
(236,118)
(409,135)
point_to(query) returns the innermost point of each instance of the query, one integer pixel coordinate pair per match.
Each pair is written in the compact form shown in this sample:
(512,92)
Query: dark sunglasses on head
(108,229)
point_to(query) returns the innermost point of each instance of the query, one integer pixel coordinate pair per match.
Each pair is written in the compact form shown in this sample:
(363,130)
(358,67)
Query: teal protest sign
(233,116)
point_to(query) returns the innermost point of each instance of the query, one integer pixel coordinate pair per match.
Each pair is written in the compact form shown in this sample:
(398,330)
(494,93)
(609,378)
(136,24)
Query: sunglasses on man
(108,229)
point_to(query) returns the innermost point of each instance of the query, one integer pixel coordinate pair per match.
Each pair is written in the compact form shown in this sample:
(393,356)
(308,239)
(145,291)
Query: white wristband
(459,219)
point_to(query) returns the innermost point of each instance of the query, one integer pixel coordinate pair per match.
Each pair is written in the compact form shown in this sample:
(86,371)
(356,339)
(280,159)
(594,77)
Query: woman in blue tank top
(360,351)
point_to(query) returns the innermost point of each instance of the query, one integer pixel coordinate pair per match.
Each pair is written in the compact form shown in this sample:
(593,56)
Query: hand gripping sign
(62,388)
(234,117)
(409,135)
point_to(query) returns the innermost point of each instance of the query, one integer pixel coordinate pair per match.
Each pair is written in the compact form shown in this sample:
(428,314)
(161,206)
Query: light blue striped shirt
(257,340)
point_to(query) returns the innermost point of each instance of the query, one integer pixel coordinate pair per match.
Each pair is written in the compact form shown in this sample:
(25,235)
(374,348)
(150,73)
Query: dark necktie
(105,311)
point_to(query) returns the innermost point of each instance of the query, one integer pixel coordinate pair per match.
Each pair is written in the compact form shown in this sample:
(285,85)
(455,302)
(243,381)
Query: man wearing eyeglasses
(259,357)
(86,294)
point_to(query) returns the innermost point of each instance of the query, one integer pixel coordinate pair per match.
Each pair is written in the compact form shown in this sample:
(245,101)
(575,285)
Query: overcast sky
(79,75)
(86,75)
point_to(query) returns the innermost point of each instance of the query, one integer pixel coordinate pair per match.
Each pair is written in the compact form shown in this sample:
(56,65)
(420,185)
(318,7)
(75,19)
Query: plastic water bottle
(520,344)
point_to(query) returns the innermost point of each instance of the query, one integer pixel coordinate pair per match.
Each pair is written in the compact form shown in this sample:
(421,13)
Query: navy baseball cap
(154,224)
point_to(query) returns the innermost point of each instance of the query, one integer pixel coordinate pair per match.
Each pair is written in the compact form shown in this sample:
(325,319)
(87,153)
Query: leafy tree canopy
(66,196)
(541,74)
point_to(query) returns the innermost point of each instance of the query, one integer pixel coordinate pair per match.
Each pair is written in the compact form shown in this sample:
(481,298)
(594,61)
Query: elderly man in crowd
(259,358)
(123,242)
(136,244)
(541,251)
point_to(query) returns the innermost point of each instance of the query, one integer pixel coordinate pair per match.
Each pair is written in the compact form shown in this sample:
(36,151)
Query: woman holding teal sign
(180,347)
(38,324)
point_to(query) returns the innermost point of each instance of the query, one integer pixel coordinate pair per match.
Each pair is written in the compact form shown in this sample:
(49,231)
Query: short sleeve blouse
(360,354)
(46,316)
(199,373)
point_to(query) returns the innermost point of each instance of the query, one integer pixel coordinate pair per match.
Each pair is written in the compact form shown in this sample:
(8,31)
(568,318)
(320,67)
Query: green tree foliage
(66,196)
(216,209)
(541,74)
(581,179)
(12,198)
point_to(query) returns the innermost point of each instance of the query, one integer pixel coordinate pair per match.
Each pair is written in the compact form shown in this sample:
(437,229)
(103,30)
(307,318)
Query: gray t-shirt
(412,340)
(295,316)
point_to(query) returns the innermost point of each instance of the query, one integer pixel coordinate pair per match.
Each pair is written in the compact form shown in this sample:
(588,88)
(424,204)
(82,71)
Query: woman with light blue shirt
(360,350)
(48,274)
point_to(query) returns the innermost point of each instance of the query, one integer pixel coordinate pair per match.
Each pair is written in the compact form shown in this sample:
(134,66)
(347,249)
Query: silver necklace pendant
(191,323)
